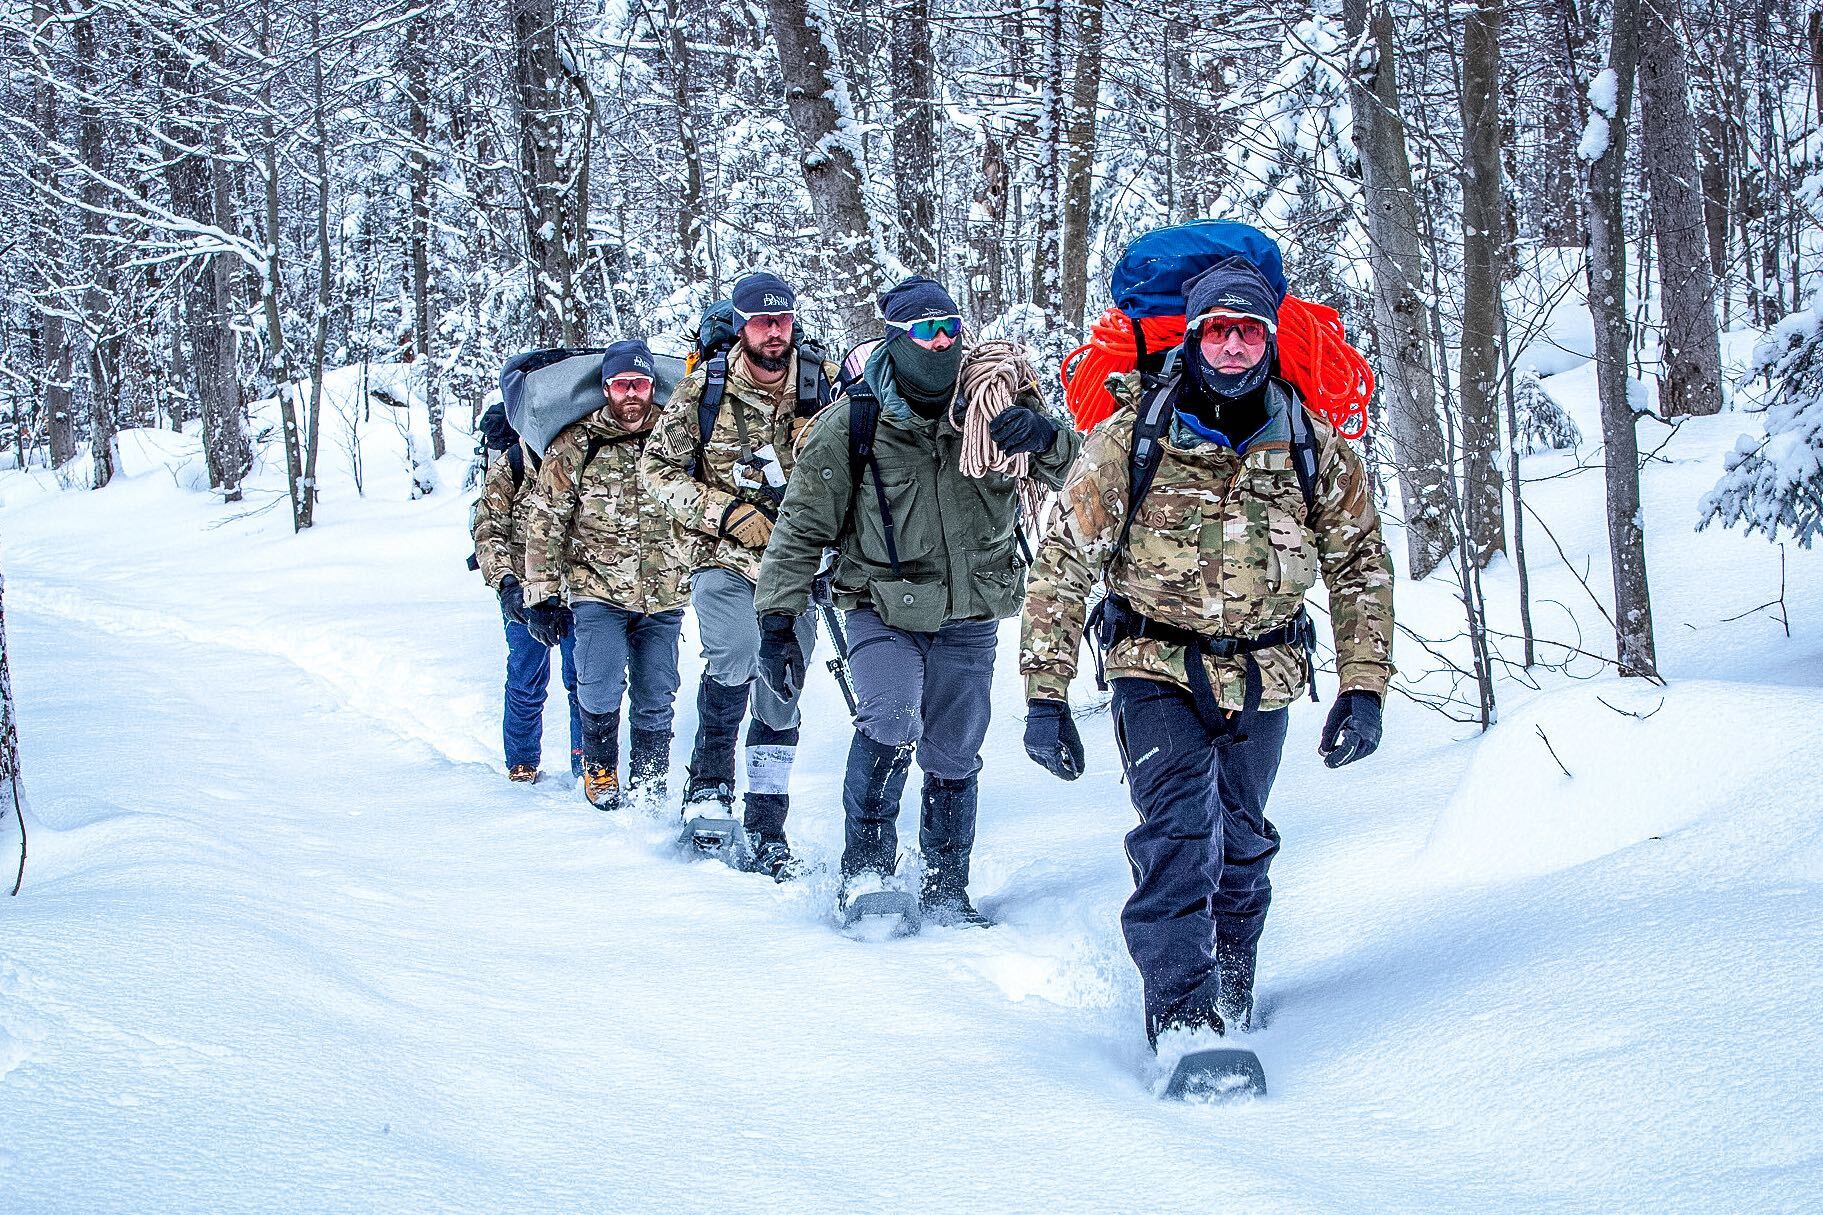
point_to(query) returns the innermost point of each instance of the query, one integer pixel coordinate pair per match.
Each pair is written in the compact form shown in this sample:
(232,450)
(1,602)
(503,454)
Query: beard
(772,363)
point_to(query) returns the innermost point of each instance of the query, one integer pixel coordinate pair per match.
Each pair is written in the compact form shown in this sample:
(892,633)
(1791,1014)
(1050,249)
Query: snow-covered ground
(290,941)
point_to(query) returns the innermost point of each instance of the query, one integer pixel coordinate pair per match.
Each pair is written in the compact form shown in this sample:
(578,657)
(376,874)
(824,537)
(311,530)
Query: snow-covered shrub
(1543,424)
(1775,480)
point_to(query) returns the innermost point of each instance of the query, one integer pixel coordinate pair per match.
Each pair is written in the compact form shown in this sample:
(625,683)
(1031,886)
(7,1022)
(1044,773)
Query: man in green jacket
(927,562)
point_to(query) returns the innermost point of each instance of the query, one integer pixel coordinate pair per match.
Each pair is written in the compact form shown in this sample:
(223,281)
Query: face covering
(927,378)
(1232,404)
(1222,385)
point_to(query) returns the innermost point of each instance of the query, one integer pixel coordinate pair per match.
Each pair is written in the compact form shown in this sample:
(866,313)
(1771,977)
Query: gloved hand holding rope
(991,379)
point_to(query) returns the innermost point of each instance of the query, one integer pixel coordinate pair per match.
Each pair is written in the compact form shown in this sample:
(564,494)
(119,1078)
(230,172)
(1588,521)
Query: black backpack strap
(709,405)
(1142,462)
(515,459)
(863,420)
(1303,453)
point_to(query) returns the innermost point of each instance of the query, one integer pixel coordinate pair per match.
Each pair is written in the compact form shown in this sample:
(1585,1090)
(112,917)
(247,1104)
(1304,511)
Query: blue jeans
(528,675)
(615,648)
(1201,852)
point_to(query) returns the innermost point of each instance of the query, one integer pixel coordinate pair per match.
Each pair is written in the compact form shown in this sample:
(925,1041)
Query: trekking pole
(824,599)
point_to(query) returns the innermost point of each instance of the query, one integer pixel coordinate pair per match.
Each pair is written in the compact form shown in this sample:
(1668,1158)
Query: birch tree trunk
(827,131)
(1607,270)
(1399,307)
(1483,231)
(1047,265)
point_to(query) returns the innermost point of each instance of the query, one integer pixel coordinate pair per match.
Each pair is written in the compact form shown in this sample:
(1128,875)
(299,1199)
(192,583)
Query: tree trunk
(1607,270)
(1562,226)
(99,298)
(824,119)
(1047,266)
(692,253)
(54,346)
(319,347)
(538,109)
(1399,302)
(12,789)
(1483,227)
(417,99)
(1079,162)
(915,116)
(987,224)
(1690,372)
(1771,155)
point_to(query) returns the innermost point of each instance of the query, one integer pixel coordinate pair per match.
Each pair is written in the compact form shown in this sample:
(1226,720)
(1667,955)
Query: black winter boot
(770,754)
(719,709)
(1235,1001)
(601,759)
(649,764)
(871,790)
(946,834)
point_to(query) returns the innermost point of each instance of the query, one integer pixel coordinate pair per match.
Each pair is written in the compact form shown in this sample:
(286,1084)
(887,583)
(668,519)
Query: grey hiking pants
(730,634)
(932,689)
(616,648)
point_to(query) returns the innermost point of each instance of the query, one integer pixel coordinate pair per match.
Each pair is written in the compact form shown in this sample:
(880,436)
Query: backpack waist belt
(1115,620)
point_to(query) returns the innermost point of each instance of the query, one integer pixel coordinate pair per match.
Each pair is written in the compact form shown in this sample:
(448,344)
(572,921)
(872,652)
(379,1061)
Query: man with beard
(927,564)
(721,477)
(598,543)
(1207,508)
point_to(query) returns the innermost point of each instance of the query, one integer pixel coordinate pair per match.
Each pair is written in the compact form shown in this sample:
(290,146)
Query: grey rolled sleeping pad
(547,390)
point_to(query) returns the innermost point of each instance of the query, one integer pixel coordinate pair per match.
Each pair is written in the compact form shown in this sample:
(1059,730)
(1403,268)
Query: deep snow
(289,940)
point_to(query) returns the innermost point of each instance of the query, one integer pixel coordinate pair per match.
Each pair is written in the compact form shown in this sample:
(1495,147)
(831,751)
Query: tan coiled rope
(991,378)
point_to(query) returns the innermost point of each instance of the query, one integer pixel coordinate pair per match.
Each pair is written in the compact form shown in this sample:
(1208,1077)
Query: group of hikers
(891,492)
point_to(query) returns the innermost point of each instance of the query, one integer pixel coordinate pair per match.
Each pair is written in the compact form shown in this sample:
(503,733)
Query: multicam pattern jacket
(594,533)
(1224,546)
(499,521)
(696,493)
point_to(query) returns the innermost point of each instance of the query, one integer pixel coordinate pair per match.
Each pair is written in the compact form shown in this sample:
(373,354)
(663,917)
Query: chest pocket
(1176,541)
(913,517)
(1279,548)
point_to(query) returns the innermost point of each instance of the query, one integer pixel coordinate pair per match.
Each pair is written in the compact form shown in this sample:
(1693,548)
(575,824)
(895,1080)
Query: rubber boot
(601,759)
(871,790)
(649,764)
(946,835)
(719,709)
(770,754)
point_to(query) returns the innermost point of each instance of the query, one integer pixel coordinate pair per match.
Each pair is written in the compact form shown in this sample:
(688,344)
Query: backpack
(543,391)
(716,333)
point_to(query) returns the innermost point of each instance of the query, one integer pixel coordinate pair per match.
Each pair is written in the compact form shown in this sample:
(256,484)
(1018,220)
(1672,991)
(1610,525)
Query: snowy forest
(260,270)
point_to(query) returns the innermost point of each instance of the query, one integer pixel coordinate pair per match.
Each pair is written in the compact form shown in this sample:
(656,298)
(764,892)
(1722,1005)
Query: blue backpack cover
(1149,279)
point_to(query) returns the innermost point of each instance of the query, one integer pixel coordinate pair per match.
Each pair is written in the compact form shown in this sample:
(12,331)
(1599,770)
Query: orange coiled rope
(1314,355)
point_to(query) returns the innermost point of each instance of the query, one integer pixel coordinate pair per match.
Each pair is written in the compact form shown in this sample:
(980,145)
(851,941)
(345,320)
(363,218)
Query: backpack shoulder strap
(515,459)
(1303,452)
(813,385)
(863,422)
(1142,462)
(715,386)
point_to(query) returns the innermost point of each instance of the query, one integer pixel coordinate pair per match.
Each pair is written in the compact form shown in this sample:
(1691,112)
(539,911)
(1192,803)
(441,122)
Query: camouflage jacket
(697,494)
(594,533)
(958,556)
(1223,546)
(498,522)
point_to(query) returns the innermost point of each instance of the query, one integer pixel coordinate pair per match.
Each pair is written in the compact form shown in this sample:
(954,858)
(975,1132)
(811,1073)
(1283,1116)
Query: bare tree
(1483,255)
(1400,311)
(914,124)
(546,172)
(1079,160)
(1605,148)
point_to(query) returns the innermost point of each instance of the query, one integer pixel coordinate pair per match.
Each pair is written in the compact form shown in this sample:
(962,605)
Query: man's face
(629,398)
(1233,344)
(768,334)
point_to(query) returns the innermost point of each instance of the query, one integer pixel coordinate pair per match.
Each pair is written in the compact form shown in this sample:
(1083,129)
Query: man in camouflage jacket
(600,545)
(923,606)
(498,524)
(724,489)
(1207,643)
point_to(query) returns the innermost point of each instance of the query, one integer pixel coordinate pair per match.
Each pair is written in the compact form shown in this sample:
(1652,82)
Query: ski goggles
(1217,326)
(927,329)
(632,385)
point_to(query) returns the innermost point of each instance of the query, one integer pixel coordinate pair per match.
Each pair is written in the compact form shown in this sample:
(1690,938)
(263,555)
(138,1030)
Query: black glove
(1051,738)
(548,622)
(512,599)
(1020,428)
(781,657)
(1353,729)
